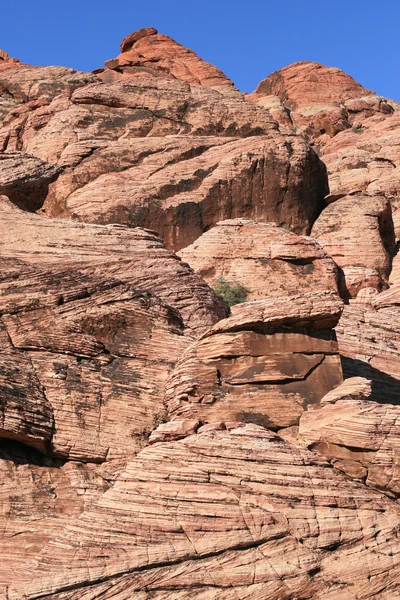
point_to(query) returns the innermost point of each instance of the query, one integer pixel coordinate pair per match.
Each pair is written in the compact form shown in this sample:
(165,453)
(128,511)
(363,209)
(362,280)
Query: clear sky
(247,39)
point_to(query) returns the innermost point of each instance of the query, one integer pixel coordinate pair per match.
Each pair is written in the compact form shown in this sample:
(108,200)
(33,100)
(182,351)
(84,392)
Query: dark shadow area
(20,454)
(385,388)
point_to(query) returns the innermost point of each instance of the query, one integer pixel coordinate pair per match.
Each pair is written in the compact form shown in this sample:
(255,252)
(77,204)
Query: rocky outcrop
(25,179)
(223,515)
(146,52)
(268,260)
(318,100)
(360,437)
(368,336)
(358,232)
(150,445)
(262,365)
(168,155)
(94,318)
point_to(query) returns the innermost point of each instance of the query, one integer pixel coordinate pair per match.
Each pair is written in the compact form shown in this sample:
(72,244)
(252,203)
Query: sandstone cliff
(154,443)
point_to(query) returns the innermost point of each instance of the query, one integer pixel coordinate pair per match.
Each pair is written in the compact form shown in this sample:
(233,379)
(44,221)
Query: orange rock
(147,51)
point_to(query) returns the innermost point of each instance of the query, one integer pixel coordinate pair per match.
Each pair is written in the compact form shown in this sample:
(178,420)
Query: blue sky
(247,40)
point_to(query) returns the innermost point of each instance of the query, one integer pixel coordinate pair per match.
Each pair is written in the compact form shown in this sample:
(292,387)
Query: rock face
(224,515)
(161,153)
(93,320)
(368,336)
(269,260)
(262,365)
(358,232)
(360,437)
(154,444)
(25,179)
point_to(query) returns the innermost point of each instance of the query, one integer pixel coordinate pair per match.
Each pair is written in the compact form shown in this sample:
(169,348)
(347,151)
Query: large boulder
(268,260)
(263,365)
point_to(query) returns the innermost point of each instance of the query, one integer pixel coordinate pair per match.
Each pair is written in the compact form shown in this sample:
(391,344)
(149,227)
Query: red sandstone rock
(94,319)
(99,323)
(147,51)
(25,179)
(268,260)
(261,365)
(222,515)
(368,336)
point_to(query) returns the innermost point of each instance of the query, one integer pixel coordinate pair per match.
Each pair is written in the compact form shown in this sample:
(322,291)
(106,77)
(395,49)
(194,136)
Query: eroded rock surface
(262,365)
(268,260)
(224,515)
(360,437)
(146,52)
(368,336)
(94,318)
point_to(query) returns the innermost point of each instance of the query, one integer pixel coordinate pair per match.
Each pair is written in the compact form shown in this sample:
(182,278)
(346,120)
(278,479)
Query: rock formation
(268,260)
(153,442)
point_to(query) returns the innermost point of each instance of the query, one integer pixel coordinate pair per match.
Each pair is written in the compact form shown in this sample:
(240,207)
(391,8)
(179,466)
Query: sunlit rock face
(154,442)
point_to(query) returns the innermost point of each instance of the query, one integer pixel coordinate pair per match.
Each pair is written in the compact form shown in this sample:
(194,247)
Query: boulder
(358,232)
(262,365)
(268,260)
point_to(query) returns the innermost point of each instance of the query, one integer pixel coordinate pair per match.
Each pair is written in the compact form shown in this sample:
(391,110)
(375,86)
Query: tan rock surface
(369,342)
(359,437)
(86,309)
(223,515)
(262,365)
(358,232)
(269,260)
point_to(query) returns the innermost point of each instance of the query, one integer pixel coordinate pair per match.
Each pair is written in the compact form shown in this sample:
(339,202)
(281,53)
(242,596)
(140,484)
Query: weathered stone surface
(148,52)
(179,186)
(359,437)
(365,159)
(25,179)
(38,497)
(269,260)
(262,365)
(86,308)
(358,232)
(223,515)
(319,101)
(369,341)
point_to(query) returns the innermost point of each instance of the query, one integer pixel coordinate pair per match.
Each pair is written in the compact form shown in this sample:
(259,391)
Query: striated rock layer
(269,260)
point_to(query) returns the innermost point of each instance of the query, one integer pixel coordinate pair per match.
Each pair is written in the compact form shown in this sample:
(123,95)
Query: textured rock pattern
(156,55)
(224,515)
(268,260)
(150,445)
(358,232)
(261,370)
(93,343)
(368,336)
(360,437)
